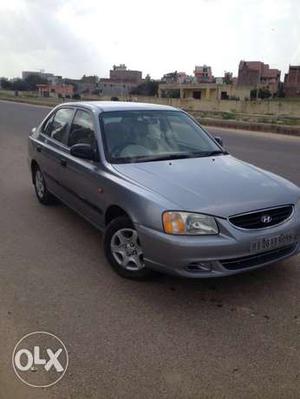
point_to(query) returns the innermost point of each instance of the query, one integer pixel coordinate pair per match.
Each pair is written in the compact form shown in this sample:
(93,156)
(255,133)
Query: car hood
(220,186)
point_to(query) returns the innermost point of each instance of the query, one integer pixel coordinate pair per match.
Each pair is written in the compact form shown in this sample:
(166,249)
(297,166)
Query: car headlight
(189,223)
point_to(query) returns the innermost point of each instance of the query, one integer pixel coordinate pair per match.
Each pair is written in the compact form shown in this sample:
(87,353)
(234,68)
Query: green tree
(148,88)
(6,84)
(263,93)
(20,85)
(33,80)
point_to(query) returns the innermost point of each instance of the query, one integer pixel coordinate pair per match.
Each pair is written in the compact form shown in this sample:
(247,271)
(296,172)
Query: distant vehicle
(167,195)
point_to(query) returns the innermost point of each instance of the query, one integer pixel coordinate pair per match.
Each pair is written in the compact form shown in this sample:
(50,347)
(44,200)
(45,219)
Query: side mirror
(219,140)
(83,151)
(33,130)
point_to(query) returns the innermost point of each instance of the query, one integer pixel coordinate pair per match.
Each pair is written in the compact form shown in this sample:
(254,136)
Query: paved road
(236,337)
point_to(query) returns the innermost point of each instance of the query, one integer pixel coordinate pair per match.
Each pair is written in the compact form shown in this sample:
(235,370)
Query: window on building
(197,95)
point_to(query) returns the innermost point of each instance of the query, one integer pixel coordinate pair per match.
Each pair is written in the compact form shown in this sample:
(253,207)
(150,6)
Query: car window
(47,127)
(58,127)
(82,130)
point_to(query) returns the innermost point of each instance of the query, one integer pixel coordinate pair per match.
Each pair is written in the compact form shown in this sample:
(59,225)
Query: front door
(83,180)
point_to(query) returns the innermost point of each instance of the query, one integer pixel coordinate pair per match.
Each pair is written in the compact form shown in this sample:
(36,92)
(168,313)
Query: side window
(82,130)
(47,127)
(59,125)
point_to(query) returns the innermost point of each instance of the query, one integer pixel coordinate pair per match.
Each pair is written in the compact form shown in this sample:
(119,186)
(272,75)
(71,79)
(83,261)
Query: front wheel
(123,250)
(43,195)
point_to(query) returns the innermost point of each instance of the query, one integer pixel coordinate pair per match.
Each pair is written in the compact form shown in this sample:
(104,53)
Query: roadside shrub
(228,115)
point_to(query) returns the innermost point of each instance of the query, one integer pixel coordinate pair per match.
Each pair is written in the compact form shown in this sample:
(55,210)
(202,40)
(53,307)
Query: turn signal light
(173,223)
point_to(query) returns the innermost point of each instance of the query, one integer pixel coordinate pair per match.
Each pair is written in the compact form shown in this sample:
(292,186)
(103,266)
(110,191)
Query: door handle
(63,162)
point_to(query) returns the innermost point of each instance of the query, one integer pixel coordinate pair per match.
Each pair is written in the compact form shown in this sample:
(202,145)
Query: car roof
(107,106)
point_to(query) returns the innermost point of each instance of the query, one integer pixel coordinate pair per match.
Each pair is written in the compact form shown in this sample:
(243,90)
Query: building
(203,74)
(122,74)
(61,90)
(50,77)
(86,85)
(257,74)
(204,91)
(120,82)
(26,74)
(175,77)
(292,82)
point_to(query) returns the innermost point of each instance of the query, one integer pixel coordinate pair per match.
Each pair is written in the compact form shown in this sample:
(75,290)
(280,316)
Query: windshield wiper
(162,157)
(168,157)
(210,153)
(150,158)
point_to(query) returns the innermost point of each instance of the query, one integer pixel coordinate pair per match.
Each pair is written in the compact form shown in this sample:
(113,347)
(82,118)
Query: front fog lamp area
(189,223)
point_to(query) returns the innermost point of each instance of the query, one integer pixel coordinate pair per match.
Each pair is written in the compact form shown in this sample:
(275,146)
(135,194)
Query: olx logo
(40,359)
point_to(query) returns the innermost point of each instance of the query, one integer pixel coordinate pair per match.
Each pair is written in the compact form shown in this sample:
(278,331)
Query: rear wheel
(43,195)
(123,250)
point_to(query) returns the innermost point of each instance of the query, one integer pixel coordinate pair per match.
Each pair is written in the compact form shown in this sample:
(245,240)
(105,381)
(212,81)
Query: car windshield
(145,136)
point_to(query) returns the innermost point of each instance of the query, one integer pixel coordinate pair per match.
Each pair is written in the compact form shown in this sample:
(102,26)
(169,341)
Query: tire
(123,250)
(43,195)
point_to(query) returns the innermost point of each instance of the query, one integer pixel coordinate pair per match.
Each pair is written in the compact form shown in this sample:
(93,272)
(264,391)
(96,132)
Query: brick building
(292,82)
(175,77)
(121,81)
(63,90)
(120,73)
(203,74)
(256,73)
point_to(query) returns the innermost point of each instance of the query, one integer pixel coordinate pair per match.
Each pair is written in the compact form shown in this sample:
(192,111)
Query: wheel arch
(113,212)
(34,166)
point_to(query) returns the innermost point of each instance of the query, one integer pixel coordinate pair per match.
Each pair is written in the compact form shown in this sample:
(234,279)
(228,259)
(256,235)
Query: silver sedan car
(167,195)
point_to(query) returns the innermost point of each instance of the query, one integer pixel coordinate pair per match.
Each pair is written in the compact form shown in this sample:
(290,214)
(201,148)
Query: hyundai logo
(266,219)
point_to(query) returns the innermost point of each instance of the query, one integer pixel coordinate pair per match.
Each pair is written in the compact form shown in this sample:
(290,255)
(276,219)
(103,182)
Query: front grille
(258,259)
(262,219)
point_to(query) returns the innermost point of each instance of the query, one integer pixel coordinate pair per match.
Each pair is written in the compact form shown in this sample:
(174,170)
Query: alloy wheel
(126,249)
(39,184)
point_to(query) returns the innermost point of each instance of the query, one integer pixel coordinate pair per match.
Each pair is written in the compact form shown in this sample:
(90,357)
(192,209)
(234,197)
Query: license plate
(269,243)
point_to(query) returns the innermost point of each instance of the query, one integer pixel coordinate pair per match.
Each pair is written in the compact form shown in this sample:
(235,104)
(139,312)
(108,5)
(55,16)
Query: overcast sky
(76,37)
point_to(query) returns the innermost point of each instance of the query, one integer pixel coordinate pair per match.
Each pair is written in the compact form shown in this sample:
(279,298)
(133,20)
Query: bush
(263,93)
(228,115)
(147,88)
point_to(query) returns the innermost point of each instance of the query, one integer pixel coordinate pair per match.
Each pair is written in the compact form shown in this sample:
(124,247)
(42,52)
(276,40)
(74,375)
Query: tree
(20,85)
(280,93)
(228,78)
(90,79)
(263,93)
(148,88)
(6,84)
(33,80)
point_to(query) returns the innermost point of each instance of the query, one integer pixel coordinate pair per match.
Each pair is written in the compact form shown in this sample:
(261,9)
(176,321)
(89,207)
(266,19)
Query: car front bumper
(216,255)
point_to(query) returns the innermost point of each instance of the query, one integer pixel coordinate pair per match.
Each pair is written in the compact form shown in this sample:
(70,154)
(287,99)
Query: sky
(76,37)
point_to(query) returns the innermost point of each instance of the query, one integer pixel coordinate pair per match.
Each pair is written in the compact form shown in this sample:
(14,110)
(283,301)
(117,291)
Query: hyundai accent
(167,195)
